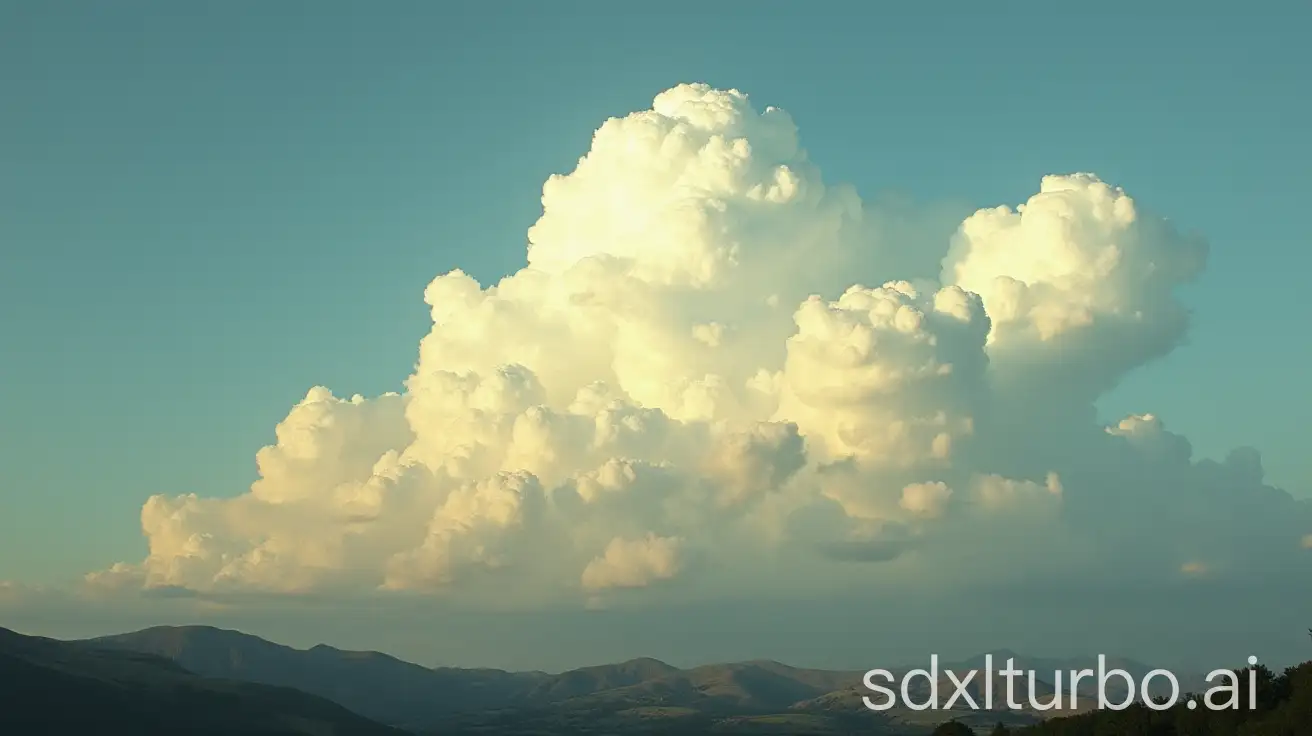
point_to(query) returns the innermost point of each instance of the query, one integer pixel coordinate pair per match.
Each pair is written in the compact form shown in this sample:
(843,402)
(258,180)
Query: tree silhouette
(1283,708)
(953,728)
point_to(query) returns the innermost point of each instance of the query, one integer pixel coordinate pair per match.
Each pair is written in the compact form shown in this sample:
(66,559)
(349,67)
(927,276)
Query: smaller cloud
(926,499)
(995,492)
(119,576)
(635,563)
(1194,569)
(9,592)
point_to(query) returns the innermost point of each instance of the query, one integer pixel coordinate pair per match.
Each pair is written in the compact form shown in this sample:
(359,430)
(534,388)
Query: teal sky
(207,208)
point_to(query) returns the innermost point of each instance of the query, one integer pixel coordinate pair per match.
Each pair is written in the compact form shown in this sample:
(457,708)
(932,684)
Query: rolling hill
(56,687)
(644,694)
(204,680)
(374,685)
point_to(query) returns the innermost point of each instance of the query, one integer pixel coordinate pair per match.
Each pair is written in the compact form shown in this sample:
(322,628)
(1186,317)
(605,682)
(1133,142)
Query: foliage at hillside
(1284,708)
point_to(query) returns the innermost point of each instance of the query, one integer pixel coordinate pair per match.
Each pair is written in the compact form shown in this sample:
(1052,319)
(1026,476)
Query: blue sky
(205,209)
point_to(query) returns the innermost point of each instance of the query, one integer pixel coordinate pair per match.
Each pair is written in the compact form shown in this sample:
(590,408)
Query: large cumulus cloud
(704,380)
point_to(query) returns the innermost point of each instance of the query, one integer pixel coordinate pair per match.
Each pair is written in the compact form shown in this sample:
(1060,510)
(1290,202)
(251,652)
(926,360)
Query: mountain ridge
(54,686)
(391,690)
(976,661)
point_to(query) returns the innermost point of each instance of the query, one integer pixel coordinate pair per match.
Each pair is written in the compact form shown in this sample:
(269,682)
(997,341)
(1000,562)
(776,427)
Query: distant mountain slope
(754,685)
(1046,669)
(375,685)
(64,688)
(589,680)
(392,691)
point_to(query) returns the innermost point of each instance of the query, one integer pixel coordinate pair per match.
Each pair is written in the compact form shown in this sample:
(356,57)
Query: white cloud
(1078,282)
(634,563)
(701,353)
(471,530)
(926,499)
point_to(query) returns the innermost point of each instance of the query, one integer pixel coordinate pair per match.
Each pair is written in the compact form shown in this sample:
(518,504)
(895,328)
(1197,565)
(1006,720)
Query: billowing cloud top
(703,384)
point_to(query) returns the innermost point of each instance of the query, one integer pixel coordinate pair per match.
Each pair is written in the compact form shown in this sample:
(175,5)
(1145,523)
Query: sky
(676,429)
